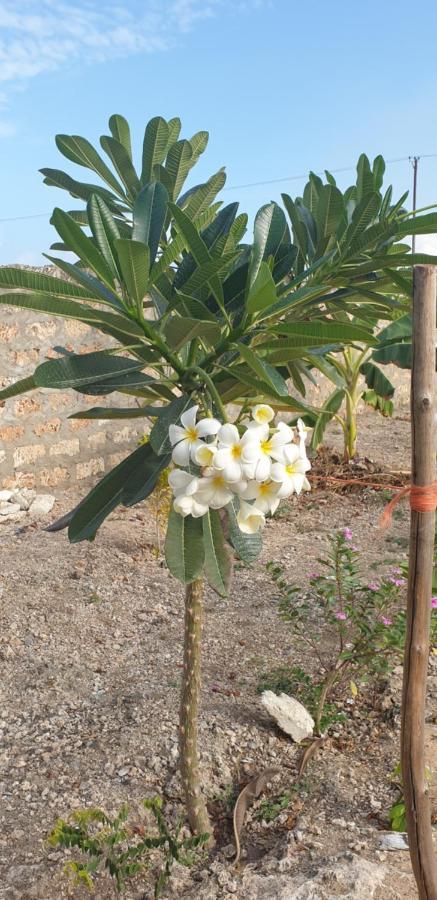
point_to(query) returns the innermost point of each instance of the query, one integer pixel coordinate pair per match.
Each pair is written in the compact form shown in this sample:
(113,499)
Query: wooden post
(418,811)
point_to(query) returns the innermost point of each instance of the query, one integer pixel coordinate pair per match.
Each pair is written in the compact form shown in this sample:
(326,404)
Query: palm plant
(356,237)
(193,316)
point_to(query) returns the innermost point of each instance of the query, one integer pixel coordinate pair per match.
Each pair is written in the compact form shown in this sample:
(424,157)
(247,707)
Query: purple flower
(373,586)
(434,602)
(398,582)
(353,547)
(341,616)
(396,571)
(313,575)
(386,621)
(347,534)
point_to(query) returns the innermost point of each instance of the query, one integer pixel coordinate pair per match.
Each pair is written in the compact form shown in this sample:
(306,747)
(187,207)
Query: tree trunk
(189,759)
(417,803)
(350,445)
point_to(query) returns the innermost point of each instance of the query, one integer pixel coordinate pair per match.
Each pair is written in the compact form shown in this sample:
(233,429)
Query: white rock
(5,496)
(24,497)
(393,840)
(42,505)
(8,509)
(289,714)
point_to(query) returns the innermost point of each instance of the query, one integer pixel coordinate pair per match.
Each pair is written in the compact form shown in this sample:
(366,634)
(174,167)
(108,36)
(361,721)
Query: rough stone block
(65,448)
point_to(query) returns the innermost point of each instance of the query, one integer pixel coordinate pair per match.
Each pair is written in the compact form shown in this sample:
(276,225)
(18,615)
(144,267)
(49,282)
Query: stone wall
(39,445)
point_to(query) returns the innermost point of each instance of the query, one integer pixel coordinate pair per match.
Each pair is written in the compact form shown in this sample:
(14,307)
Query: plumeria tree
(359,234)
(196,321)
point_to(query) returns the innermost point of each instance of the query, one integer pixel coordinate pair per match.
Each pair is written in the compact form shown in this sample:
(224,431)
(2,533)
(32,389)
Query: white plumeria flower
(214,490)
(265,495)
(302,433)
(184,487)
(182,482)
(259,448)
(262,413)
(290,473)
(227,458)
(249,518)
(189,505)
(187,439)
(204,454)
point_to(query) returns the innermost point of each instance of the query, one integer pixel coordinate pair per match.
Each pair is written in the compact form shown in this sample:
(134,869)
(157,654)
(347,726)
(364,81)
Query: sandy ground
(90,655)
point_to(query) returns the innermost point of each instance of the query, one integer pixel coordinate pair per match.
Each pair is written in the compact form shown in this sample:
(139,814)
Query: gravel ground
(90,650)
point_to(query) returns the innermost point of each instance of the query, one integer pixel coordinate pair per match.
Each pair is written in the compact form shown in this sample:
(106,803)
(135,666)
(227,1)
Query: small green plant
(120,849)
(297,683)
(269,810)
(354,629)
(397,812)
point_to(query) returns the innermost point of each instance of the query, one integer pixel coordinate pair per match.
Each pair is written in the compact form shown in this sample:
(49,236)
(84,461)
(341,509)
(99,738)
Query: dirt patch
(90,652)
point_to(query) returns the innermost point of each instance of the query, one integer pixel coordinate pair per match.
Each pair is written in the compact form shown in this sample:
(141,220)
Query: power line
(239,187)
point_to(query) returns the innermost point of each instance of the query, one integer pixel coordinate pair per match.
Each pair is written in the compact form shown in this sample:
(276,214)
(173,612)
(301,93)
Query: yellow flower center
(264,488)
(263,415)
(290,470)
(191,434)
(266,446)
(236,451)
(218,481)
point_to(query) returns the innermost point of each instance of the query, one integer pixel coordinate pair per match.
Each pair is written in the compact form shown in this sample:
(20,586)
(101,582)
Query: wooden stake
(422,526)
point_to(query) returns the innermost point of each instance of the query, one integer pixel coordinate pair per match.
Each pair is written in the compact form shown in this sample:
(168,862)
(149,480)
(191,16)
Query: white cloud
(44,35)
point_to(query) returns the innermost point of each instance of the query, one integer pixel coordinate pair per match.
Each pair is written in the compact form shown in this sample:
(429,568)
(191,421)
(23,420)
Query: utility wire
(239,187)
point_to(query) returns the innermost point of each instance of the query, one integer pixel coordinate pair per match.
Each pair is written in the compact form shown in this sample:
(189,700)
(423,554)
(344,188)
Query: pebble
(393,840)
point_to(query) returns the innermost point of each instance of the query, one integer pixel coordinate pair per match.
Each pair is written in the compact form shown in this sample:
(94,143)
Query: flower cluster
(261,466)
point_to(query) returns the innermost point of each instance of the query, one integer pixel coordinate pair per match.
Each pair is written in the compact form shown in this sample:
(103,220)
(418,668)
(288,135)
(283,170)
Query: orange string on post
(422,499)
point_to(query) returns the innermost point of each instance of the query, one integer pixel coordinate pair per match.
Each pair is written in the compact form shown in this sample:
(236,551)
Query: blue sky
(282,87)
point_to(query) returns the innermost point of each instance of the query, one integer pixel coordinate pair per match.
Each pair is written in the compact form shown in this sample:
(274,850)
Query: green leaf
(178,331)
(149,214)
(35,281)
(300,237)
(56,178)
(363,215)
(247,546)
(323,332)
(119,327)
(329,210)
(104,230)
(112,412)
(400,355)
(169,415)
(129,483)
(18,387)
(184,549)
(80,151)
(264,370)
(72,234)
(269,231)
(82,369)
(217,558)
(122,163)
(179,162)
(174,128)
(200,197)
(398,330)
(134,262)
(95,289)
(329,408)
(119,129)
(262,293)
(154,147)
(376,380)
(196,246)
